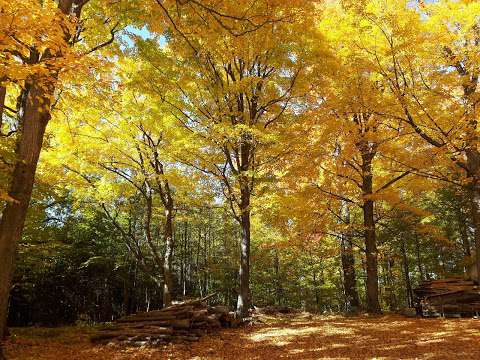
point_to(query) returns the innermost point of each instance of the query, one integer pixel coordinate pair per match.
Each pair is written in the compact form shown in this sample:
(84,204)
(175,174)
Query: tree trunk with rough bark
(476,230)
(473,164)
(373,305)
(33,116)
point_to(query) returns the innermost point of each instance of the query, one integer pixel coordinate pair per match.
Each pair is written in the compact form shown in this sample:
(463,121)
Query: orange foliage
(301,337)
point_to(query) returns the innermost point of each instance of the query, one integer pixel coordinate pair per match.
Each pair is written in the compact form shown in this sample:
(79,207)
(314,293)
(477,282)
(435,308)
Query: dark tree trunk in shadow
(406,273)
(348,266)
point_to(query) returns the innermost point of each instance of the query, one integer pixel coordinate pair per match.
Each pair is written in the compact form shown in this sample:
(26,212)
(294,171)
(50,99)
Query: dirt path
(387,337)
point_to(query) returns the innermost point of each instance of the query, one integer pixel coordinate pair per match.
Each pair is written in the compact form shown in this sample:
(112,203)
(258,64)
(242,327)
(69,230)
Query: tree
(126,160)
(426,59)
(37,50)
(231,84)
(42,60)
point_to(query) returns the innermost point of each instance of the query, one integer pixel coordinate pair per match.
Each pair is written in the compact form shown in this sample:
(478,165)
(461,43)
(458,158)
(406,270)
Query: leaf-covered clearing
(299,337)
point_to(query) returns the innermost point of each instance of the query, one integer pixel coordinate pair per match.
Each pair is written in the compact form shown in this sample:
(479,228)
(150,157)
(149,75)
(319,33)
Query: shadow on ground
(385,337)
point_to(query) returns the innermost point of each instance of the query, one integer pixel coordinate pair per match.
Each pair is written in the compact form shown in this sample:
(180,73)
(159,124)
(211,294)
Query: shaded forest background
(73,266)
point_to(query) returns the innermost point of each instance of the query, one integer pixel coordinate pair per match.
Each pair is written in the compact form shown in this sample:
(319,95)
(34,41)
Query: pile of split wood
(182,322)
(455,296)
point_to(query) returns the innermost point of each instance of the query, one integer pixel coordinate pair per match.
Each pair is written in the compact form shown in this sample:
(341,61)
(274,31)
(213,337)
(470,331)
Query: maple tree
(232,85)
(433,82)
(37,47)
(131,163)
(33,60)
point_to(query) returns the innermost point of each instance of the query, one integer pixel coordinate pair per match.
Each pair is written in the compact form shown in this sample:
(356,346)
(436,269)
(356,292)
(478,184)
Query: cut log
(182,322)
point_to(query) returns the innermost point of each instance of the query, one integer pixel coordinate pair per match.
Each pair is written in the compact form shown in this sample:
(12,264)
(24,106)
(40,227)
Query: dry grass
(386,337)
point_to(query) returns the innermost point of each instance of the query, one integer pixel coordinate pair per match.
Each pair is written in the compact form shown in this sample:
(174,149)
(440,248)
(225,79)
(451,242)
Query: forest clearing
(299,337)
(239,179)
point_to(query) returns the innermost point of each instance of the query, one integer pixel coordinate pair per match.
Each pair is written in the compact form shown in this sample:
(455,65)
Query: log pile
(182,322)
(453,297)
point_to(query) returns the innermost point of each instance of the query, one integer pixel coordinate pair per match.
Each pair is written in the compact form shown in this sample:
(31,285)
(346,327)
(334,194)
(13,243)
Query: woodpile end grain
(182,322)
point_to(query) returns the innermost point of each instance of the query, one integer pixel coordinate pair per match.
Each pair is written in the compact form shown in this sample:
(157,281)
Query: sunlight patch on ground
(394,347)
(283,336)
(296,351)
(429,341)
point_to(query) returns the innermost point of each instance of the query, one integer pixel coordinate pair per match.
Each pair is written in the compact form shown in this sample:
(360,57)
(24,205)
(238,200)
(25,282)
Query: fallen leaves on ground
(335,337)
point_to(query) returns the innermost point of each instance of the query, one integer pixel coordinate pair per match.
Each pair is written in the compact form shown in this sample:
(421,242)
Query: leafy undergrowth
(298,337)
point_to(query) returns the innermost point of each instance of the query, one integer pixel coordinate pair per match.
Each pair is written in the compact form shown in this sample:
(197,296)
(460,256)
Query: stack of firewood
(448,297)
(447,286)
(181,322)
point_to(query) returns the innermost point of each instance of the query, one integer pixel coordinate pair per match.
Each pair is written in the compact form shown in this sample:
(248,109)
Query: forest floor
(289,337)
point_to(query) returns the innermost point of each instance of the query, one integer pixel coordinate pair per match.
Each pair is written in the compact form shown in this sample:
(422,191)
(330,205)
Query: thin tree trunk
(393,297)
(317,293)
(243,302)
(348,265)
(183,246)
(462,224)
(186,254)
(387,282)
(349,276)
(278,283)
(419,260)
(3,93)
(197,261)
(406,272)
(167,262)
(204,265)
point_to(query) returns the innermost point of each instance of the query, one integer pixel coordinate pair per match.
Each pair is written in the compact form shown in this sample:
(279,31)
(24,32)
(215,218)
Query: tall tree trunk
(419,260)
(317,292)
(348,265)
(393,296)
(34,114)
(473,165)
(388,285)
(167,262)
(243,302)
(3,93)
(278,284)
(373,305)
(349,276)
(204,263)
(406,272)
(463,229)
(476,230)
